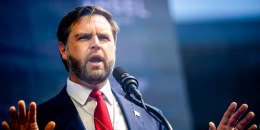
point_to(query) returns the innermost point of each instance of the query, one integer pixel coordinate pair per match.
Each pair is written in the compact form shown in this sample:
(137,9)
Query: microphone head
(119,73)
(128,83)
(124,79)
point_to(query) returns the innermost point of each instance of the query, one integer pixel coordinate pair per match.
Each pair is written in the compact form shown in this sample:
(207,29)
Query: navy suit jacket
(62,111)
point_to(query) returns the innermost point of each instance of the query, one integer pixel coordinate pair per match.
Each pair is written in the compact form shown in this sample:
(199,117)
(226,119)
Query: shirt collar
(81,93)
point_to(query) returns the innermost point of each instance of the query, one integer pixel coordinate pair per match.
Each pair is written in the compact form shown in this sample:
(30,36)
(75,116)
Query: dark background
(221,62)
(192,58)
(220,50)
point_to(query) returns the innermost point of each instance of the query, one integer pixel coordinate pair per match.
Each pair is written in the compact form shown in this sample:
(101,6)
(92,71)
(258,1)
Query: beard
(80,70)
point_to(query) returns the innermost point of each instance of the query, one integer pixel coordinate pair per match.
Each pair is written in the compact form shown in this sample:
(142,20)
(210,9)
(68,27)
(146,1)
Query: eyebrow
(82,34)
(103,34)
(90,34)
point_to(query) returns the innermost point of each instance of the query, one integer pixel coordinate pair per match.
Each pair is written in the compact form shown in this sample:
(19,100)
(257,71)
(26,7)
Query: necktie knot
(96,94)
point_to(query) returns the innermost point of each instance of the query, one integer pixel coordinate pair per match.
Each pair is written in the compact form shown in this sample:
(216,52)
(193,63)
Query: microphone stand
(150,109)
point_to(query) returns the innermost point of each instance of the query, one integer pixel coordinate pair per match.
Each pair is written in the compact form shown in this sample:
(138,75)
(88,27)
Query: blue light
(188,11)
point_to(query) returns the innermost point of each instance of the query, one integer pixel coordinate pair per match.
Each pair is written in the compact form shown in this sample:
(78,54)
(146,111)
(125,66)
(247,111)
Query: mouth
(95,59)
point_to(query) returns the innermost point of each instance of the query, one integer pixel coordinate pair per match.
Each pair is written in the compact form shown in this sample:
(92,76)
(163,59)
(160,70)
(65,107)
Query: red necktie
(102,119)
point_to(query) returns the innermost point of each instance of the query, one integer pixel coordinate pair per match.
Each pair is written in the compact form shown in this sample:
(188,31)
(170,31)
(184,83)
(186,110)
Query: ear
(62,50)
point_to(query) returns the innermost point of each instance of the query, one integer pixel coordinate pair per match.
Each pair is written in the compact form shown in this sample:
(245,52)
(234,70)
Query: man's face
(90,49)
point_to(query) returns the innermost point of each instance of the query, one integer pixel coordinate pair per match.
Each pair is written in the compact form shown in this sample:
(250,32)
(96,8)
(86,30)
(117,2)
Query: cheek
(78,52)
(111,52)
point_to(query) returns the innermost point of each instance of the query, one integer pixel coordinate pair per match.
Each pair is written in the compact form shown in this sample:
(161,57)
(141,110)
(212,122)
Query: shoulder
(59,109)
(46,109)
(135,116)
(53,102)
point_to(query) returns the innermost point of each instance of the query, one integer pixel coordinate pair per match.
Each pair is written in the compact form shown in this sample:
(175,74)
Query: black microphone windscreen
(118,72)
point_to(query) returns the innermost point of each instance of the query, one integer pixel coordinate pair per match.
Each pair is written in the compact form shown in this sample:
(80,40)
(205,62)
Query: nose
(95,45)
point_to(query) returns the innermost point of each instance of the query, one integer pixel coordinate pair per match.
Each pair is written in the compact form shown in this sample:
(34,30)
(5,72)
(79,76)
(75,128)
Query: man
(87,43)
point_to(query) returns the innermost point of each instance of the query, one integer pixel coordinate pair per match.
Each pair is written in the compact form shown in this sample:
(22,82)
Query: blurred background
(191,57)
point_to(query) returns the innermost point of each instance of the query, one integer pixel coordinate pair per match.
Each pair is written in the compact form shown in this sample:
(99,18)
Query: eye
(84,38)
(103,38)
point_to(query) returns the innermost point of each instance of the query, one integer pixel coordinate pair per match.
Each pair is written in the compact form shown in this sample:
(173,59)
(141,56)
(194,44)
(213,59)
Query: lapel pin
(136,113)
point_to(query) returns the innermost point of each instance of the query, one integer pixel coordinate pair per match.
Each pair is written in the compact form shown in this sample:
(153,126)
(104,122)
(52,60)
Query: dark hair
(64,28)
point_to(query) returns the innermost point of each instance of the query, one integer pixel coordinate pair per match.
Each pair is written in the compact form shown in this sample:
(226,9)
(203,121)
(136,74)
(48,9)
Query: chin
(96,73)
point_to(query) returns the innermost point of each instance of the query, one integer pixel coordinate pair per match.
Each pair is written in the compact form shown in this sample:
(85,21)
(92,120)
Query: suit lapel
(66,115)
(75,124)
(133,121)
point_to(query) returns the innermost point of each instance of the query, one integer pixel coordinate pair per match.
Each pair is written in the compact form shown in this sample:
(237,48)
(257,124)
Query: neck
(85,84)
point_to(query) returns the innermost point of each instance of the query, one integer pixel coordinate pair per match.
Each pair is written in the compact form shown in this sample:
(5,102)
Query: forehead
(89,21)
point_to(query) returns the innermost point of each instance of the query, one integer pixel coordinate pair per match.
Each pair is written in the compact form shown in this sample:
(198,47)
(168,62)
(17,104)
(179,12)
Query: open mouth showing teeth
(96,59)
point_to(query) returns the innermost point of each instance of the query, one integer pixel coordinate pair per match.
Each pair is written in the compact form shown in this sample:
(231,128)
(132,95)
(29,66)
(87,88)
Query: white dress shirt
(86,105)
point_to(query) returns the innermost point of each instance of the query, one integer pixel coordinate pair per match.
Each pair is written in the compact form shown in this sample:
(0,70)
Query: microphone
(128,83)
